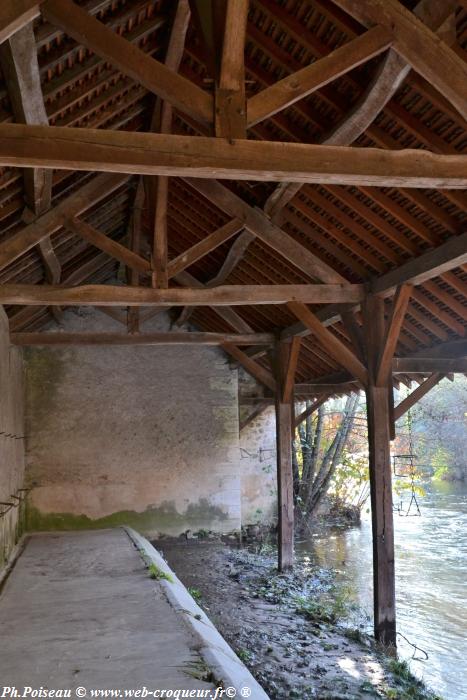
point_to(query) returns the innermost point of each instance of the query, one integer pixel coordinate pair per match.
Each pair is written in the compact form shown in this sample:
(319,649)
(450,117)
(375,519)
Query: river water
(431,582)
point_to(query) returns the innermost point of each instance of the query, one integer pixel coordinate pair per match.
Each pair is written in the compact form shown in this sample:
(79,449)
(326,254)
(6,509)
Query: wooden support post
(378,402)
(284,417)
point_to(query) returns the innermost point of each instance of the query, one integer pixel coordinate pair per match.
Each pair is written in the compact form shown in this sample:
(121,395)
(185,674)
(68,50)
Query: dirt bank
(288,628)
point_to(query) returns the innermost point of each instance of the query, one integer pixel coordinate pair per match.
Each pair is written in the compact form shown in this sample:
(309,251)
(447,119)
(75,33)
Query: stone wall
(141,435)
(11,442)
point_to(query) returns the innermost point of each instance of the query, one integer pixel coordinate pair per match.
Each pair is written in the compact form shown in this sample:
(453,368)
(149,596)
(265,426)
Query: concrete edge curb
(220,658)
(15,554)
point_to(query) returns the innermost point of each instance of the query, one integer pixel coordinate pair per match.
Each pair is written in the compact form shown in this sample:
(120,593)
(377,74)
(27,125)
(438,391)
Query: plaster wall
(146,436)
(11,442)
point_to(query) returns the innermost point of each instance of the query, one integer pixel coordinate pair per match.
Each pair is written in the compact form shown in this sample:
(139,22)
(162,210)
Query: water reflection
(431,581)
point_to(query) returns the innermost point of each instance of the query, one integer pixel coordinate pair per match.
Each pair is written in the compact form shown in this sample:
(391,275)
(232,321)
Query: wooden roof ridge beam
(426,365)
(418,45)
(335,347)
(69,148)
(230,110)
(261,374)
(418,393)
(15,14)
(158,338)
(108,245)
(121,295)
(204,246)
(299,85)
(311,409)
(162,122)
(290,369)
(129,59)
(394,325)
(389,77)
(260,225)
(45,225)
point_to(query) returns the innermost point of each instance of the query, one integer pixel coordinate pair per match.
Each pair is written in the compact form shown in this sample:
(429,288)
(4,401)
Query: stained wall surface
(11,443)
(147,436)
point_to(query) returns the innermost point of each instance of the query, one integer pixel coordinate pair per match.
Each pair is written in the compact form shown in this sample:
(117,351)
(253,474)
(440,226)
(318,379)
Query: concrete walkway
(80,610)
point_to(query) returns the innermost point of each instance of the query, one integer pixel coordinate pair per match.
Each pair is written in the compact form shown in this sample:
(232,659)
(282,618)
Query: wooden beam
(298,85)
(336,349)
(234,256)
(258,223)
(203,247)
(15,14)
(107,245)
(436,261)
(290,369)
(314,389)
(284,422)
(257,411)
(230,116)
(257,371)
(394,325)
(427,365)
(311,409)
(378,402)
(75,204)
(418,45)
(129,59)
(418,393)
(204,157)
(162,338)
(227,295)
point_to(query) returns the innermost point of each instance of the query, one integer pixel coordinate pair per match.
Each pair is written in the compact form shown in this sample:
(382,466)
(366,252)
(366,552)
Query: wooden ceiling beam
(45,225)
(147,71)
(418,45)
(230,110)
(112,295)
(427,365)
(202,157)
(261,374)
(16,14)
(302,83)
(162,338)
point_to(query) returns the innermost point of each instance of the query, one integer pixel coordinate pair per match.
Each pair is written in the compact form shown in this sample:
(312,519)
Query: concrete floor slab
(79,610)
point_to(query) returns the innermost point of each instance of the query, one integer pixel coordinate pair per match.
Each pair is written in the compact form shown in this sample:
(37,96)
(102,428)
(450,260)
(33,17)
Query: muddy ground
(296,632)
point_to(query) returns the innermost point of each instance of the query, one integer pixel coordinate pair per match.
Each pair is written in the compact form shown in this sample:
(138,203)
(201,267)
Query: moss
(164,518)
(159,575)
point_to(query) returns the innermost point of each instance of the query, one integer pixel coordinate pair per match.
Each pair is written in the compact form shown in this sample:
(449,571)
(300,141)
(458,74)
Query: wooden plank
(434,262)
(230,295)
(50,222)
(107,245)
(203,247)
(336,349)
(298,85)
(144,69)
(15,14)
(205,157)
(394,326)
(257,371)
(284,422)
(418,393)
(313,389)
(268,232)
(162,338)
(289,378)
(427,365)
(427,54)
(380,480)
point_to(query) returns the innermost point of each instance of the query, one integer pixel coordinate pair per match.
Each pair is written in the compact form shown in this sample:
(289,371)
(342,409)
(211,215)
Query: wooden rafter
(427,365)
(399,307)
(418,393)
(261,374)
(311,409)
(153,74)
(418,45)
(15,14)
(110,295)
(202,157)
(298,85)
